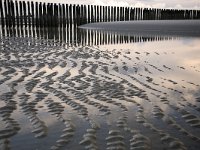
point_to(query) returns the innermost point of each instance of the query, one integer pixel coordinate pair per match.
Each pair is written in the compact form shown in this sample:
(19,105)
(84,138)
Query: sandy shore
(150,27)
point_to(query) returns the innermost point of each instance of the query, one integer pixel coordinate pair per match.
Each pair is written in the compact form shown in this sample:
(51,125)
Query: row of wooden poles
(77,37)
(39,14)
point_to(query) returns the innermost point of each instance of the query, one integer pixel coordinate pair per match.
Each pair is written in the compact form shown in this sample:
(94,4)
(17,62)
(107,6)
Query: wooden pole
(115,13)
(37,14)
(78,14)
(100,13)
(103,15)
(21,14)
(41,15)
(97,13)
(112,13)
(2,15)
(45,17)
(56,23)
(109,19)
(74,15)
(70,15)
(106,13)
(29,14)
(6,14)
(89,14)
(118,14)
(12,13)
(32,14)
(64,15)
(92,14)
(67,15)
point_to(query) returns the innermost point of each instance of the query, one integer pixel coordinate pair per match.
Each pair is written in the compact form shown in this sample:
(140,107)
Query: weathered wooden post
(60,15)
(106,15)
(81,15)
(6,14)
(195,11)
(64,15)
(67,15)
(56,15)
(126,14)
(97,14)
(100,14)
(48,15)
(112,13)
(45,17)
(145,14)
(9,13)
(103,13)
(78,14)
(198,14)
(29,14)
(32,14)
(89,14)
(37,14)
(123,13)
(74,15)
(109,19)
(2,15)
(70,15)
(85,14)
(154,14)
(21,14)
(131,14)
(115,13)
(92,14)
(12,5)
(40,15)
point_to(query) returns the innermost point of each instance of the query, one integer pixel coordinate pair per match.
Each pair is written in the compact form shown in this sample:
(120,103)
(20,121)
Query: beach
(142,94)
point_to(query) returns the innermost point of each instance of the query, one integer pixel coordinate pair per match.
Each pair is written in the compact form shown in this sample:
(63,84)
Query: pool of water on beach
(95,90)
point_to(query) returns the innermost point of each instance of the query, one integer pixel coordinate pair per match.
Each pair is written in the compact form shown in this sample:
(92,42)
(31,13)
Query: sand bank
(150,27)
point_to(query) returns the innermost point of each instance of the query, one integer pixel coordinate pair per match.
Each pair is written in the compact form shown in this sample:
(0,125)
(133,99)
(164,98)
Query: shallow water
(134,94)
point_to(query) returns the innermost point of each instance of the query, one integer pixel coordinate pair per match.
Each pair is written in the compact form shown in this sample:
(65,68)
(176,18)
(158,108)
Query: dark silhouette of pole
(45,18)
(118,14)
(74,15)
(89,14)
(2,15)
(106,13)
(78,14)
(85,14)
(29,13)
(64,15)
(32,14)
(100,14)
(70,15)
(41,15)
(21,13)
(37,14)
(97,14)
(92,14)
(67,15)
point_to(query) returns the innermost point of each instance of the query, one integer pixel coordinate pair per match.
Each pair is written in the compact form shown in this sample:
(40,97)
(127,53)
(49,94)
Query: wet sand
(123,96)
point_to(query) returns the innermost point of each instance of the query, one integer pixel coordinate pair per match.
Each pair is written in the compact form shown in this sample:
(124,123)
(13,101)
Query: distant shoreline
(150,27)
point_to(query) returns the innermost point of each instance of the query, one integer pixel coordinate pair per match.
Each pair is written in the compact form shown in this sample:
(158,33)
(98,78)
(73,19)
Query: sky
(178,4)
